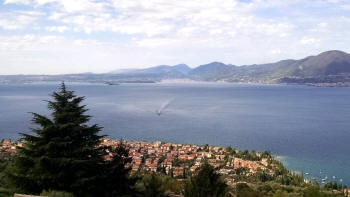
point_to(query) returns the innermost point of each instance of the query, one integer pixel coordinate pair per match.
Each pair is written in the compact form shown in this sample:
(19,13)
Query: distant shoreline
(174,81)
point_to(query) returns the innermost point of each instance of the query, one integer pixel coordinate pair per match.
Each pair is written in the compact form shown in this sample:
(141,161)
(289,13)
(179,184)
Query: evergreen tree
(205,183)
(64,152)
(115,180)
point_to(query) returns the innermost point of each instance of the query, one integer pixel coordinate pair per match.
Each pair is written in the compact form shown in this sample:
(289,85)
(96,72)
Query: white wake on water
(164,106)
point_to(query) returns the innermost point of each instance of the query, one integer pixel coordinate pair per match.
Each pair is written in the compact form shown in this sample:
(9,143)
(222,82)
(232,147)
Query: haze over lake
(308,126)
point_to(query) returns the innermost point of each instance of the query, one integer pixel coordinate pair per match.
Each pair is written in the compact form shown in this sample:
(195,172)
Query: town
(180,160)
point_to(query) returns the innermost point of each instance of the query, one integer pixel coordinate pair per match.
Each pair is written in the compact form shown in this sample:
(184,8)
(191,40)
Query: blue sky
(74,36)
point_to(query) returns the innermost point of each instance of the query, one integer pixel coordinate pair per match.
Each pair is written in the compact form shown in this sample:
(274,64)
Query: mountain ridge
(330,68)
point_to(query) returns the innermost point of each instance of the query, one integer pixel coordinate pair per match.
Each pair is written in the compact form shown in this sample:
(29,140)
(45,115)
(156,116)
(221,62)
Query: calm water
(308,127)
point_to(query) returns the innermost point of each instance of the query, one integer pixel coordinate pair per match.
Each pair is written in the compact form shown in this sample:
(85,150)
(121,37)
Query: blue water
(308,126)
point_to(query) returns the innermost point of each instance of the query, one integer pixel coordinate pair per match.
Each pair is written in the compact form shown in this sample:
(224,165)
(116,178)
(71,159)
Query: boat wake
(166,104)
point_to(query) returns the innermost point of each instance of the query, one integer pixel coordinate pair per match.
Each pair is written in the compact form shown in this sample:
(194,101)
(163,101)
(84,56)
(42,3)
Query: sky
(76,36)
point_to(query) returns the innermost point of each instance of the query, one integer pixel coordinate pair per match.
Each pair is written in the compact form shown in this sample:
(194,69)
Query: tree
(5,188)
(64,152)
(152,186)
(243,190)
(115,178)
(205,183)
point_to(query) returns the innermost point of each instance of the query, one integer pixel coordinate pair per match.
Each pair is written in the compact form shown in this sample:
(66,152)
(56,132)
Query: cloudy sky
(73,36)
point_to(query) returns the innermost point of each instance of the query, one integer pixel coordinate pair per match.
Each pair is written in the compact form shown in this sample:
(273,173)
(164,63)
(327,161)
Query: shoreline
(175,158)
(176,81)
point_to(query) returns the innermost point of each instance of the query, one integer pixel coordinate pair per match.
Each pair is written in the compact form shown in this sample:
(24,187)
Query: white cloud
(73,6)
(157,42)
(18,19)
(60,29)
(28,42)
(322,25)
(167,32)
(309,41)
(158,18)
(17,1)
(276,51)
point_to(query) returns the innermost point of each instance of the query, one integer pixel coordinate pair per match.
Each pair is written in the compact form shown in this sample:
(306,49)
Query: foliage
(283,176)
(246,155)
(5,188)
(176,162)
(314,191)
(64,154)
(243,190)
(115,178)
(266,154)
(334,186)
(158,185)
(151,186)
(205,183)
(205,148)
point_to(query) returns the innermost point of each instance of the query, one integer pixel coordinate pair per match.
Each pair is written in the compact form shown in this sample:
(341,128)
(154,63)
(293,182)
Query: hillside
(172,166)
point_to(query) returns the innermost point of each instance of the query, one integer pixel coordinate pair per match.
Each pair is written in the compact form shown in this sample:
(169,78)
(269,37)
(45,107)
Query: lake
(308,128)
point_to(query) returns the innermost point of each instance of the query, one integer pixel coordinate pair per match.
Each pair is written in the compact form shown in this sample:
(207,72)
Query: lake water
(308,127)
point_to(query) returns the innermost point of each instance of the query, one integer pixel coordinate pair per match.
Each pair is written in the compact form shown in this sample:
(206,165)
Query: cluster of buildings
(7,147)
(179,160)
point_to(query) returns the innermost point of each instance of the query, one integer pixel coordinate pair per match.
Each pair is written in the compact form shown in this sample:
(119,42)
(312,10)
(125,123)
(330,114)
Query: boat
(111,83)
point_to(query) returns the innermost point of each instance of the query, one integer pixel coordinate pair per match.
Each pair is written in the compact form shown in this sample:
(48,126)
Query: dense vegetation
(64,158)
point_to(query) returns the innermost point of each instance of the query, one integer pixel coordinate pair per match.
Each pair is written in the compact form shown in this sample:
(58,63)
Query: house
(193,168)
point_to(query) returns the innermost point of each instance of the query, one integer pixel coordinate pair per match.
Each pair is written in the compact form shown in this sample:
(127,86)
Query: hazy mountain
(324,64)
(161,69)
(211,72)
(328,68)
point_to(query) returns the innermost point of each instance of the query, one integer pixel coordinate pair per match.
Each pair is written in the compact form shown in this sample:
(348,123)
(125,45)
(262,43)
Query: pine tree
(115,180)
(205,183)
(64,152)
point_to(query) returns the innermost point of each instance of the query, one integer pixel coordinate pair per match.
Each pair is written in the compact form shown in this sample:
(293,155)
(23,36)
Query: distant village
(177,160)
(7,147)
(180,160)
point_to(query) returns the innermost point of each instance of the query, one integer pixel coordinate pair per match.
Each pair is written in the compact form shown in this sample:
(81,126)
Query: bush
(206,182)
(158,185)
(243,190)
(151,186)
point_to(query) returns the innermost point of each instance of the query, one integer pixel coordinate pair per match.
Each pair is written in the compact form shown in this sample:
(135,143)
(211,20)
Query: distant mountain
(158,72)
(324,64)
(330,68)
(162,69)
(211,72)
(327,67)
